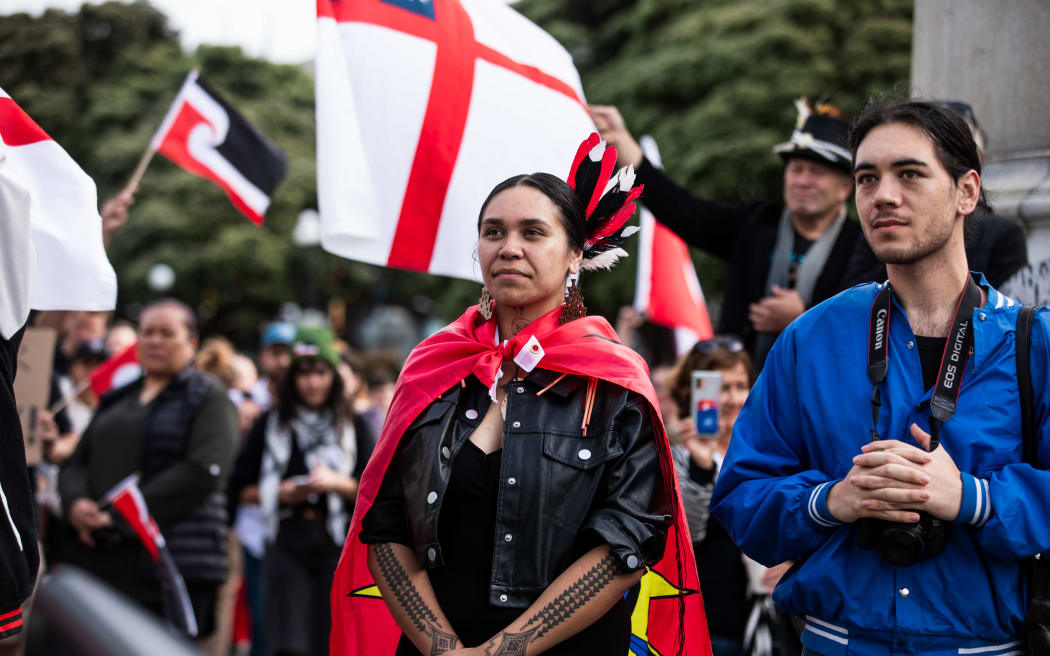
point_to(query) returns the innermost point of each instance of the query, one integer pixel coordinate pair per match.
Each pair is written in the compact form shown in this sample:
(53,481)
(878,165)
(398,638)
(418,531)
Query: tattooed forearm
(557,611)
(407,596)
(442,642)
(510,644)
(575,596)
(402,588)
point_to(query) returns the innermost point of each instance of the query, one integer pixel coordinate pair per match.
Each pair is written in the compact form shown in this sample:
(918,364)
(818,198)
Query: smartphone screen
(706,392)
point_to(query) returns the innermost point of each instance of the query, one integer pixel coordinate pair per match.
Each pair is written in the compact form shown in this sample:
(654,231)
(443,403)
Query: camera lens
(902,545)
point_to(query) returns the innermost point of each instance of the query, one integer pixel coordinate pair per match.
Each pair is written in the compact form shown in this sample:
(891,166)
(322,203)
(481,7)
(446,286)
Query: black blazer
(743,235)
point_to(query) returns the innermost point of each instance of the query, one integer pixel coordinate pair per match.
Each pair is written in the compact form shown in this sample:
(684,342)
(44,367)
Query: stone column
(995,55)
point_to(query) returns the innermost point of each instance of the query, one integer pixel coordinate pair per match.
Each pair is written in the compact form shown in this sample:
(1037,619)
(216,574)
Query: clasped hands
(892,481)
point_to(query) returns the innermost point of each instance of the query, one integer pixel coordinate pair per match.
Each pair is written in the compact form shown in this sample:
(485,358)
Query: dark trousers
(254,592)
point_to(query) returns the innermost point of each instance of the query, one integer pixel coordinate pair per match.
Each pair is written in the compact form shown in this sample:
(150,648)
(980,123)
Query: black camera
(902,545)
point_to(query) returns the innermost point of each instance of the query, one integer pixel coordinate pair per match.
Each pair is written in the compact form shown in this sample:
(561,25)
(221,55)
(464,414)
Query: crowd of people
(530,468)
(250,476)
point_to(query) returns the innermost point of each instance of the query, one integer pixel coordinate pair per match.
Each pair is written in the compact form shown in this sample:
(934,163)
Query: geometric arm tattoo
(401,586)
(558,610)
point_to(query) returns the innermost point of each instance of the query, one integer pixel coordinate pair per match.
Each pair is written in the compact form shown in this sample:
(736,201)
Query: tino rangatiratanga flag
(203,134)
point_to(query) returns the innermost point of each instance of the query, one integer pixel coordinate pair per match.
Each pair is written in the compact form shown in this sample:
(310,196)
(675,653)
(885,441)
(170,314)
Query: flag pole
(140,170)
(147,156)
(61,403)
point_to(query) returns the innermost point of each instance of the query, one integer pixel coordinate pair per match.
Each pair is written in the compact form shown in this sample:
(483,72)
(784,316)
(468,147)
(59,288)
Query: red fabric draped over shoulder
(361,623)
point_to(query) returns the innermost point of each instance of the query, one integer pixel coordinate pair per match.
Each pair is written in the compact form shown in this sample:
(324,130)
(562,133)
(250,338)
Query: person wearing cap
(905,482)
(301,462)
(274,357)
(995,246)
(783,257)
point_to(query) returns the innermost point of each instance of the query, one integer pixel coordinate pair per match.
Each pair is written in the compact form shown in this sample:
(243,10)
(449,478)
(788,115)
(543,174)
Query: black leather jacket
(556,484)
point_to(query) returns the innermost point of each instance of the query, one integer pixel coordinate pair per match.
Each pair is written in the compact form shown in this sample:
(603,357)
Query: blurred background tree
(713,81)
(99,82)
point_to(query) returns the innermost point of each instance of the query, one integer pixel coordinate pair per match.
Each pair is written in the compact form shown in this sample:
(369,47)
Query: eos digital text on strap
(957,351)
(900,544)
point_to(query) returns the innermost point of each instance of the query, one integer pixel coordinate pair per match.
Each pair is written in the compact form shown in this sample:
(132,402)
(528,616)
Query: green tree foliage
(99,82)
(713,81)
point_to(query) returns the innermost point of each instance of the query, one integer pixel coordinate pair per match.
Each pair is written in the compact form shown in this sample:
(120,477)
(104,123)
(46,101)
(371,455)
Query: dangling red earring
(574,307)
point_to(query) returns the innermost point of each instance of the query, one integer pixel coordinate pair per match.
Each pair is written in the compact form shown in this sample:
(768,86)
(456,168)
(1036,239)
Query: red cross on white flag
(422,107)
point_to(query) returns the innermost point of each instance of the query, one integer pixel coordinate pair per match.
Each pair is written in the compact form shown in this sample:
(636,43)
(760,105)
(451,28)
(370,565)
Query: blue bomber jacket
(809,415)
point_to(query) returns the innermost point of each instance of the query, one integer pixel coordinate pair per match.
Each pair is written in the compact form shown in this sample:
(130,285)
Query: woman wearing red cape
(522,498)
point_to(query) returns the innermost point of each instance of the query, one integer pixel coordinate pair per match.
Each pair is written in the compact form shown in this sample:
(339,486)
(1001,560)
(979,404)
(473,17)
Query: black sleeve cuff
(385,521)
(636,541)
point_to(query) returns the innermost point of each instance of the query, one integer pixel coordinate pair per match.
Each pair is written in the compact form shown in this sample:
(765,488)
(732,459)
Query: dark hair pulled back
(570,207)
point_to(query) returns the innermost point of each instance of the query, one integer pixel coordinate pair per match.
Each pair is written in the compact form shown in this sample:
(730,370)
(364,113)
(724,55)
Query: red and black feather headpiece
(609,198)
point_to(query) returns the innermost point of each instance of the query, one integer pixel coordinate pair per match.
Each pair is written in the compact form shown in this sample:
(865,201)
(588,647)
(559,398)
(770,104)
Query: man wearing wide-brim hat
(782,257)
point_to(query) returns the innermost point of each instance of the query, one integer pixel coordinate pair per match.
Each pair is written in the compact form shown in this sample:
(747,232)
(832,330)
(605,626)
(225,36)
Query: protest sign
(33,385)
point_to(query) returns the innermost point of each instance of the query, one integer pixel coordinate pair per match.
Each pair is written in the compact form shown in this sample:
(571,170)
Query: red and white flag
(422,108)
(117,371)
(207,137)
(667,290)
(126,498)
(67,263)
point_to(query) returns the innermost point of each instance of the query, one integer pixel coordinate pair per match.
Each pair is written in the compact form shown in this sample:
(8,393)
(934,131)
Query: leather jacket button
(432,554)
(471,414)
(503,598)
(432,497)
(512,481)
(446,453)
(584,454)
(516,424)
(520,390)
(632,561)
(508,537)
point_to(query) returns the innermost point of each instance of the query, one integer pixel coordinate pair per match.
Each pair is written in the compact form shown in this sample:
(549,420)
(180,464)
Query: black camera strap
(953,360)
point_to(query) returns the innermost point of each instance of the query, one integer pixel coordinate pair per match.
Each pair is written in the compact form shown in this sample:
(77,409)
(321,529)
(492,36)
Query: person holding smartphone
(301,462)
(698,456)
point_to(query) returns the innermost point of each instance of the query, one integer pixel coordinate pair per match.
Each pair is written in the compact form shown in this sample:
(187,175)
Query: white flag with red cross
(422,108)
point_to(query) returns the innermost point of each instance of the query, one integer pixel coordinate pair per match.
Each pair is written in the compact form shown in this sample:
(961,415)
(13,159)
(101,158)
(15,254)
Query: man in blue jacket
(909,530)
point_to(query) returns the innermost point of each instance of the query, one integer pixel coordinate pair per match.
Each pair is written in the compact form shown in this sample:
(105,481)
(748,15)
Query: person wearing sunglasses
(723,576)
